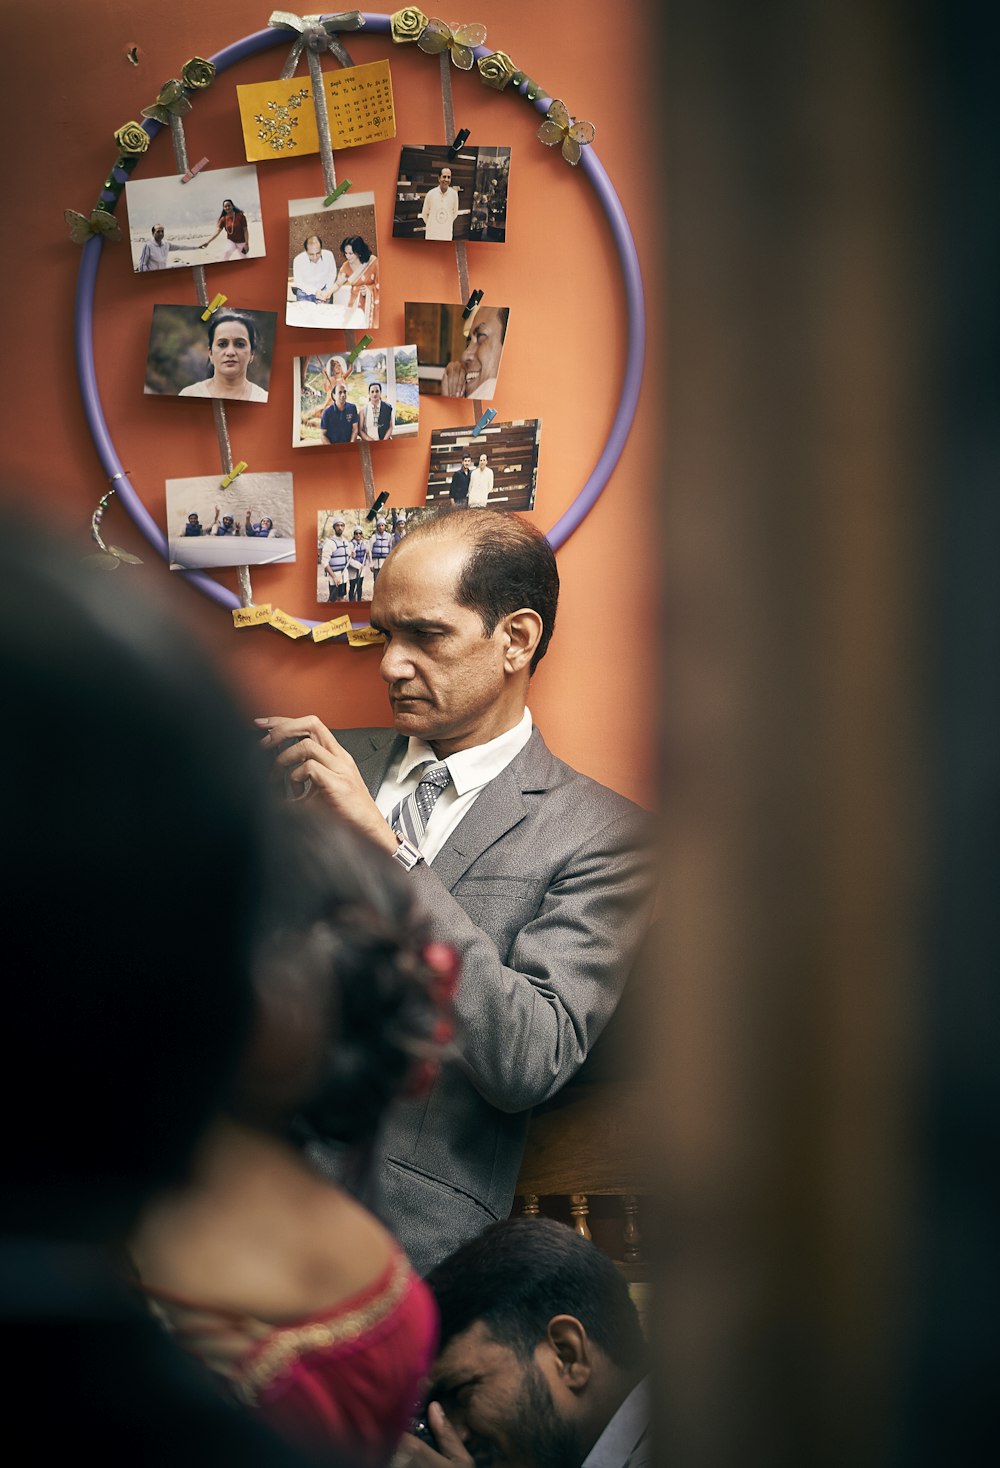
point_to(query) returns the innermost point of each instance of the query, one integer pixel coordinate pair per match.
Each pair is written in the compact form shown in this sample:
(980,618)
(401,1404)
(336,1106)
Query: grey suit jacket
(544,887)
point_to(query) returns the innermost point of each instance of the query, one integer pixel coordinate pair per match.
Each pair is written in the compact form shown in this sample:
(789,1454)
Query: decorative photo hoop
(496,70)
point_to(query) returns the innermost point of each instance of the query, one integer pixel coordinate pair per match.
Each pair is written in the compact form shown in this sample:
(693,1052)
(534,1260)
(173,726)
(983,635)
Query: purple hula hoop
(624,413)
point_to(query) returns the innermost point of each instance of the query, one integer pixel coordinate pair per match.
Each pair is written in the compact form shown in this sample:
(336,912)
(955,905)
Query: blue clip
(471,304)
(340,189)
(484,421)
(460,141)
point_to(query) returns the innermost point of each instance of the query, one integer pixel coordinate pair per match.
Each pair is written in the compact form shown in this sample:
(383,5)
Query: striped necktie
(410,815)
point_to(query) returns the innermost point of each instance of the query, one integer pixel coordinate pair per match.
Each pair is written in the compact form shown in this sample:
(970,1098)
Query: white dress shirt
(314,275)
(471,771)
(480,487)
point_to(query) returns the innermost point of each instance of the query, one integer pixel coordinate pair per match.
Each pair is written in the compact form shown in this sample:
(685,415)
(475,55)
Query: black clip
(471,304)
(460,141)
(377,505)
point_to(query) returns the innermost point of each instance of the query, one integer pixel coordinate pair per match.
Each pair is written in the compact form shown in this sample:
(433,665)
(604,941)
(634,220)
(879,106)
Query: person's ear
(522,630)
(571,1346)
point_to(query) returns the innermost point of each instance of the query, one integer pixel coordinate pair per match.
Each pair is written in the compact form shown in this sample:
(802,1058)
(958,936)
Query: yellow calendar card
(279,120)
(359,101)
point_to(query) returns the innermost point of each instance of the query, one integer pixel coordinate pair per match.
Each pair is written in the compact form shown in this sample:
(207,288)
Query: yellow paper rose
(407,23)
(496,70)
(198,73)
(132,139)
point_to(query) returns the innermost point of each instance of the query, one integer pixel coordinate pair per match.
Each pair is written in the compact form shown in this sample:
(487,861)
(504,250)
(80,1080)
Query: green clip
(340,189)
(365,341)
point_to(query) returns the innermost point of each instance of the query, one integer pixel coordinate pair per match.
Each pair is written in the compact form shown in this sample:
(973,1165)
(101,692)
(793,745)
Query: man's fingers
(303,750)
(450,1445)
(278,727)
(413,1453)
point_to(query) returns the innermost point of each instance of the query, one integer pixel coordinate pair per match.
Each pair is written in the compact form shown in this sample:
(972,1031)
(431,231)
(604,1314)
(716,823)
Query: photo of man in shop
(440,208)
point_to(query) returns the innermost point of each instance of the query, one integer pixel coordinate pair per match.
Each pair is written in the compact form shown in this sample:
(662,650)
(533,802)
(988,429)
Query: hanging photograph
(460,198)
(333,273)
(374,399)
(496,468)
(459,357)
(252,523)
(351,549)
(228,356)
(214,217)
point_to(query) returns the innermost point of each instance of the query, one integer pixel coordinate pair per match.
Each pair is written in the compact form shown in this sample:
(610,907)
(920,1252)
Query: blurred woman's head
(135,822)
(353,996)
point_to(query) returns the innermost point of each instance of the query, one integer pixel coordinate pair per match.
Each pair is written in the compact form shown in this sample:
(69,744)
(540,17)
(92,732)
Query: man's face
(158,233)
(501,1406)
(467,462)
(338,528)
(446,680)
(444,177)
(340,394)
(375,394)
(481,358)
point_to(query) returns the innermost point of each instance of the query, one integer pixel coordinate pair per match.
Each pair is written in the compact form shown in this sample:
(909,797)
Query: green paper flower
(407,23)
(198,73)
(132,139)
(497,71)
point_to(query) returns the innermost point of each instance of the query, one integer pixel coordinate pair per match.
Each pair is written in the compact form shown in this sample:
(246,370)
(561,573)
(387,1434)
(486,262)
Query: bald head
(508,565)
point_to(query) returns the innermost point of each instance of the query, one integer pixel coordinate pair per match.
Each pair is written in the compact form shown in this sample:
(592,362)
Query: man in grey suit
(539,876)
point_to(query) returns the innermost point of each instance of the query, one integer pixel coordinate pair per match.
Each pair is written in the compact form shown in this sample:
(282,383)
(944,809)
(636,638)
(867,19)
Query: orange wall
(594,694)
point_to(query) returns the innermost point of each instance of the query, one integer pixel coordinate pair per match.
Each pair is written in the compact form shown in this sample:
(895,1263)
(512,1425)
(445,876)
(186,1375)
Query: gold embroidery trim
(295,1340)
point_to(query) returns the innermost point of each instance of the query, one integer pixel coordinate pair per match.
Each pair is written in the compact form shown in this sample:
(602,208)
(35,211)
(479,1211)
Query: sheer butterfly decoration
(171,102)
(459,40)
(100,222)
(559,127)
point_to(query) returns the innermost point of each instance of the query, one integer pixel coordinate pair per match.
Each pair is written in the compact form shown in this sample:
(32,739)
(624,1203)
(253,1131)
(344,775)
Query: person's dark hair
(359,247)
(510,565)
(330,885)
(518,1274)
(219,316)
(503,316)
(133,841)
(311,236)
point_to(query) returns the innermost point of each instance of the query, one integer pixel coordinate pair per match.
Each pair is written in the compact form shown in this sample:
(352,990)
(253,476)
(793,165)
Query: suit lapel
(499,808)
(374,761)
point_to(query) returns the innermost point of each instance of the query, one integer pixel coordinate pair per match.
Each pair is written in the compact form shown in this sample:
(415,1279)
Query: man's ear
(523,631)
(574,1354)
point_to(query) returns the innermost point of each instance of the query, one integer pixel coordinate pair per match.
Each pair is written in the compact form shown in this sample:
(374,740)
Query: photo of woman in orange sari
(357,285)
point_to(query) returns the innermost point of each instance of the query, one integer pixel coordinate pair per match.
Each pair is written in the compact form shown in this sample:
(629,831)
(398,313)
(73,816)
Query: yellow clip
(214,305)
(234,472)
